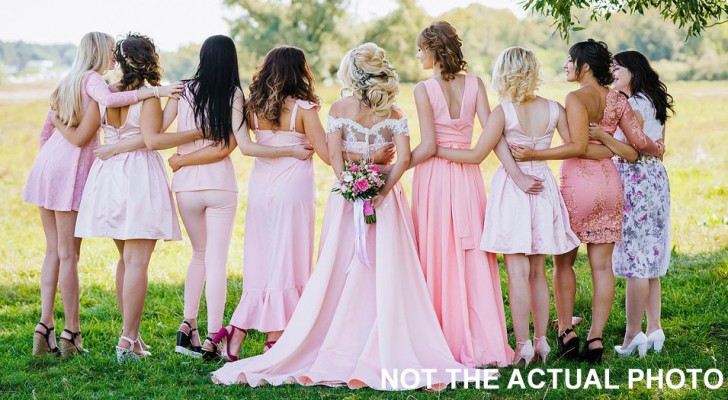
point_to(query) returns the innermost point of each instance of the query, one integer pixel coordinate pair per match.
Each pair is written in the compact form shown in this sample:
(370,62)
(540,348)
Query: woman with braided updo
(127,196)
(448,205)
(361,316)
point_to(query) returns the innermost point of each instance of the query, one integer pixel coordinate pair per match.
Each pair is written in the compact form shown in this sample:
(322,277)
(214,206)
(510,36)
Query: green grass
(695,299)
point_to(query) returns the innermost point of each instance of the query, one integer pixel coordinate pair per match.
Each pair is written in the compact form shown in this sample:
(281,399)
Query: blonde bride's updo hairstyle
(516,75)
(366,73)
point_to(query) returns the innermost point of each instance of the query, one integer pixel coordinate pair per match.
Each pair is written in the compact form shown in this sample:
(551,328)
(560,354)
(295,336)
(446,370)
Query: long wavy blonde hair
(92,55)
(516,75)
(367,74)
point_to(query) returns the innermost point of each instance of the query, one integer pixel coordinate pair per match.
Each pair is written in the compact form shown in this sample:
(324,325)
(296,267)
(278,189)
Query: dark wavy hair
(443,41)
(284,73)
(213,88)
(138,60)
(646,82)
(597,56)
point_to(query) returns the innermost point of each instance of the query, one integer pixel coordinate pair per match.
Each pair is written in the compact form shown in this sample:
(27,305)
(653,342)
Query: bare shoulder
(397,113)
(343,106)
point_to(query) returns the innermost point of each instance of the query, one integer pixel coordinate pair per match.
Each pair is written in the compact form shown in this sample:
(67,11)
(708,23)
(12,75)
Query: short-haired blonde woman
(448,205)
(353,322)
(58,177)
(522,224)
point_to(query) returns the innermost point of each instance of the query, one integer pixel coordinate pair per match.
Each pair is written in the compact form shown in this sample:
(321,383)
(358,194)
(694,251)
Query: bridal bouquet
(360,182)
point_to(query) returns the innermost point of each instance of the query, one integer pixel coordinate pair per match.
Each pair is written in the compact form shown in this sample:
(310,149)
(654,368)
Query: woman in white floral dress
(644,253)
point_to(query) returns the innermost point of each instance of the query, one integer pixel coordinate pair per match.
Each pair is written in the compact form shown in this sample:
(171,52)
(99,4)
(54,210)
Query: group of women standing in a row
(431,298)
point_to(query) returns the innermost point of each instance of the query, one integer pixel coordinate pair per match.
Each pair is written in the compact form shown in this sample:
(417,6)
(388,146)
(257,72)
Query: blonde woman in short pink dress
(58,176)
(592,190)
(448,206)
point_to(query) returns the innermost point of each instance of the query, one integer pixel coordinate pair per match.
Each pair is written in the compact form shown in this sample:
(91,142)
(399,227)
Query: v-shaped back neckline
(462,101)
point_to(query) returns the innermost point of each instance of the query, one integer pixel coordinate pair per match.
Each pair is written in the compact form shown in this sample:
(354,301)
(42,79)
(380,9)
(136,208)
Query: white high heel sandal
(541,348)
(524,355)
(124,355)
(638,343)
(656,340)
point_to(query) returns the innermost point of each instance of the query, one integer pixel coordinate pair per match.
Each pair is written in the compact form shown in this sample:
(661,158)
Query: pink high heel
(268,345)
(224,334)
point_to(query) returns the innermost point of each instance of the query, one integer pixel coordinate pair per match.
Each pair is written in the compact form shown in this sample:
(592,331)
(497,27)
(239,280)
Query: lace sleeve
(333,125)
(400,127)
(630,126)
(98,90)
(47,130)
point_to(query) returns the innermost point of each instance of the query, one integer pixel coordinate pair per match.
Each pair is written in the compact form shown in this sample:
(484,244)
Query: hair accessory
(365,76)
(121,48)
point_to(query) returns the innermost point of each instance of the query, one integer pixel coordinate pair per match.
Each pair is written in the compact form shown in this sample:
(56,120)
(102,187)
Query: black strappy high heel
(592,356)
(42,343)
(68,345)
(184,343)
(570,349)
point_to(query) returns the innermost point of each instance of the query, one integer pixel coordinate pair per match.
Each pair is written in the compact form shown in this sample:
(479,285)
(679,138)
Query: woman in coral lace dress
(591,188)
(448,205)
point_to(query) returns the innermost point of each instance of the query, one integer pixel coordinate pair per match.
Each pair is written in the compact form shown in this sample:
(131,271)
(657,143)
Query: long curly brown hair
(284,73)
(443,41)
(138,60)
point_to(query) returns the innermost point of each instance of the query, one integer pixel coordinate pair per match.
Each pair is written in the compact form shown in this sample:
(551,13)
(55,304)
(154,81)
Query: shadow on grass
(695,319)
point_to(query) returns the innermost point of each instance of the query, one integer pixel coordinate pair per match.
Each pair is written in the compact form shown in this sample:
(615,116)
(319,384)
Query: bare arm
(107,151)
(428,141)
(624,150)
(334,143)
(578,124)
(249,148)
(86,130)
(206,155)
(315,133)
(170,113)
(402,143)
(490,137)
(157,140)
(482,106)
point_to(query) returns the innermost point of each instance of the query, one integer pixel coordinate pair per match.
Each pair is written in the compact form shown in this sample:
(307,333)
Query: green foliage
(307,24)
(696,15)
(397,33)
(181,64)
(18,54)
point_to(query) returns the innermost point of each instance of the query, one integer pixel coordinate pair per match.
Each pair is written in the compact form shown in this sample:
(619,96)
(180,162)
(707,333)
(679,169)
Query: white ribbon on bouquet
(360,239)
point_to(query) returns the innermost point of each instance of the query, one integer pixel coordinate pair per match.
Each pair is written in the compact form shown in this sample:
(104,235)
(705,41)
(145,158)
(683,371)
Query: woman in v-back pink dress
(448,206)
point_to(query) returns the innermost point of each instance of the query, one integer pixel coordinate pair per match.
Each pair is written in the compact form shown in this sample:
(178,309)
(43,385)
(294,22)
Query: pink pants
(208,216)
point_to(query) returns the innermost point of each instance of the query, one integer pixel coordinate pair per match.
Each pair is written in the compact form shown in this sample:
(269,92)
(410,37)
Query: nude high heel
(542,348)
(524,354)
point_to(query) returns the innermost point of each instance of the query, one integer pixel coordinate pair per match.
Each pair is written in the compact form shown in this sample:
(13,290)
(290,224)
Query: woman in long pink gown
(448,206)
(354,323)
(591,188)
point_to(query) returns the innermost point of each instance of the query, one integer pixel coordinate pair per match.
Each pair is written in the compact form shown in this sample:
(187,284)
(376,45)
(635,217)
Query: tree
(697,15)
(396,34)
(307,24)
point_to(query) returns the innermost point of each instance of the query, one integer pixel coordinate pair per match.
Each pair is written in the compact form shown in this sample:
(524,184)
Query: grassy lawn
(695,291)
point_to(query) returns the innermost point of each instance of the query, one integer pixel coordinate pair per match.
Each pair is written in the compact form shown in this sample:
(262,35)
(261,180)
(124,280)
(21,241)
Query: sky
(171,23)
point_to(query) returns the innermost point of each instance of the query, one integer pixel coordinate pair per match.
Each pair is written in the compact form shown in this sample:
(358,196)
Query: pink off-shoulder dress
(60,170)
(279,232)
(448,208)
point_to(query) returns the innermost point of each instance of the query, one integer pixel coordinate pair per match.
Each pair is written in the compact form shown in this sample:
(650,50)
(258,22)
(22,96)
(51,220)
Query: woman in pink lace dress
(591,188)
(58,176)
(448,206)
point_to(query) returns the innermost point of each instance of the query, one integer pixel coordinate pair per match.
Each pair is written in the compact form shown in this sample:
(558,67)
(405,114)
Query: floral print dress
(645,248)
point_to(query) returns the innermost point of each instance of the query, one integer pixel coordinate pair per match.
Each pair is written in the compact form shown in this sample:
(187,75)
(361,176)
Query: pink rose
(361,185)
(375,169)
(354,168)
